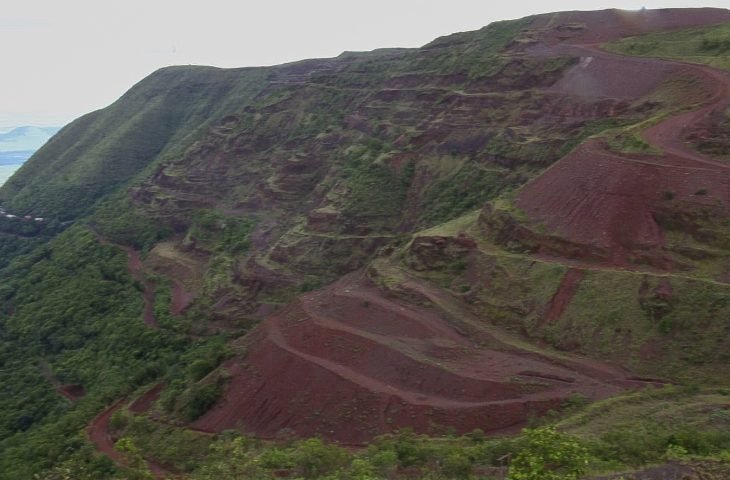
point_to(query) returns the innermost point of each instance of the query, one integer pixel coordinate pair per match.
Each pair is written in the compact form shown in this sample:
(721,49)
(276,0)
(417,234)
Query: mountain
(27,139)
(420,251)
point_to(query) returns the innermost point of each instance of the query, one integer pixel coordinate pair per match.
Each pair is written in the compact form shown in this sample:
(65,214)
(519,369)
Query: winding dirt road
(347,363)
(609,201)
(99,434)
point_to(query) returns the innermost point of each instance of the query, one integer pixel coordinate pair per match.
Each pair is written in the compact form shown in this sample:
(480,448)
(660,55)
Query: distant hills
(24,139)
(18,145)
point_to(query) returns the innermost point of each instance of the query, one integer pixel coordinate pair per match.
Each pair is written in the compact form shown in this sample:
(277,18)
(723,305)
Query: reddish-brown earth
(70,392)
(611,202)
(135,266)
(145,401)
(136,270)
(181,298)
(347,363)
(560,301)
(100,435)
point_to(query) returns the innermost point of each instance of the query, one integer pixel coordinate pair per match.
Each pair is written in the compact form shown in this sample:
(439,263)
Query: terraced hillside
(475,234)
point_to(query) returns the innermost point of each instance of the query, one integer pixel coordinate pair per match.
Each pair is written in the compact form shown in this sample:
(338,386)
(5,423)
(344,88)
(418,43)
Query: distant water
(10,162)
(6,171)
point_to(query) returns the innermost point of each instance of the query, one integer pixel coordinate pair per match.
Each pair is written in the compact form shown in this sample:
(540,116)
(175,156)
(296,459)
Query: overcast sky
(61,59)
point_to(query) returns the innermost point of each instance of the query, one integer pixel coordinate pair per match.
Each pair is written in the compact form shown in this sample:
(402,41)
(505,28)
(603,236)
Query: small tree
(134,458)
(314,458)
(549,455)
(233,460)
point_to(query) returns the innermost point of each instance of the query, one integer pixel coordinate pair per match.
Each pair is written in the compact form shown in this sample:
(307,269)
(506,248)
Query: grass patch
(467,188)
(375,189)
(706,45)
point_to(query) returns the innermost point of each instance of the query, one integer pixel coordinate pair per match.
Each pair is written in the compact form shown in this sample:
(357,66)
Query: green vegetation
(474,53)
(181,449)
(214,232)
(629,431)
(646,332)
(549,455)
(630,141)
(378,145)
(708,45)
(76,308)
(467,189)
(95,155)
(19,236)
(375,190)
(118,220)
(654,425)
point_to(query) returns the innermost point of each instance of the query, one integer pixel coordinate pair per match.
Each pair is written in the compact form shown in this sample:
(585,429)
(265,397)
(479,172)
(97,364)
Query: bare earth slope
(611,201)
(349,362)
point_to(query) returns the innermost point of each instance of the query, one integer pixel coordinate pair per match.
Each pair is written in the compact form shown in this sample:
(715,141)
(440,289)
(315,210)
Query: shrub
(313,458)
(549,455)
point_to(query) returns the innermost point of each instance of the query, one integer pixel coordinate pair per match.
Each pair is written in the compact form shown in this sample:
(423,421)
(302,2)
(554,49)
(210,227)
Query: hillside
(414,253)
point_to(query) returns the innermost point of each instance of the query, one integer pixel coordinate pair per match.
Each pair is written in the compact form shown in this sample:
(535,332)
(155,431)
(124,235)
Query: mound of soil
(613,202)
(611,76)
(347,363)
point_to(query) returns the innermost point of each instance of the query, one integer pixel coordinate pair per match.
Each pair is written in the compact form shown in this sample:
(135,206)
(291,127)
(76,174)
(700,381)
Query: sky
(61,59)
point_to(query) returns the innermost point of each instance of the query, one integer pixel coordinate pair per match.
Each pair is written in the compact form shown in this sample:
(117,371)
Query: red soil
(181,298)
(145,401)
(135,267)
(610,201)
(136,270)
(565,293)
(71,392)
(609,77)
(98,431)
(348,364)
(100,435)
(149,304)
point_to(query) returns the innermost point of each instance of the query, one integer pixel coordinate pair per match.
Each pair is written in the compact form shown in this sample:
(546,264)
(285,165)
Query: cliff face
(451,237)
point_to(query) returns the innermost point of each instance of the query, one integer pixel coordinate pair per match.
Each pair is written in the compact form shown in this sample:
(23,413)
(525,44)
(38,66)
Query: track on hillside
(99,432)
(348,363)
(610,201)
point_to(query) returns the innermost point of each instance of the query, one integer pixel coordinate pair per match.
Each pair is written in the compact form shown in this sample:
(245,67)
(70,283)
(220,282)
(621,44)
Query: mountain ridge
(500,225)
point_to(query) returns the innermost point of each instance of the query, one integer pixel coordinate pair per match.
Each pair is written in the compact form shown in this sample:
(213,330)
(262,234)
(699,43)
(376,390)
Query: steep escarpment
(498,226)
(99,152)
